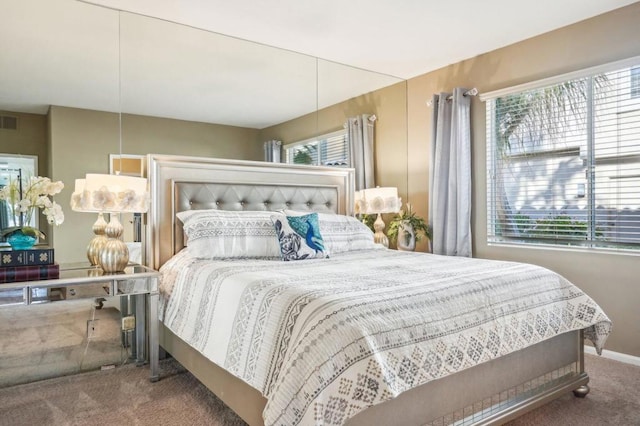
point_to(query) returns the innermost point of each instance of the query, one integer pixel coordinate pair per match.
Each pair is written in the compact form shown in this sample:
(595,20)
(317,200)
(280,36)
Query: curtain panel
(360,134)
(273,151)
(450,174)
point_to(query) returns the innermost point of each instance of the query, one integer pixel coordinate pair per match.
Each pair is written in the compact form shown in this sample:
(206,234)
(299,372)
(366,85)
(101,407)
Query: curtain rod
(470,92)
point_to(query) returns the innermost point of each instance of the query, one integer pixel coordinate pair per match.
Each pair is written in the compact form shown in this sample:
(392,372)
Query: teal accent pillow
(299,236)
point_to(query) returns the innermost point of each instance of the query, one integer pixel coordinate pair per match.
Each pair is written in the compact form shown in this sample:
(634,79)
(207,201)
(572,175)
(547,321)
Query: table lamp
(377,201)
(115,194)
(80,204)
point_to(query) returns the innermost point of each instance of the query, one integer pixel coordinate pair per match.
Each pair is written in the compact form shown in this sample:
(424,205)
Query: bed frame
(490,393)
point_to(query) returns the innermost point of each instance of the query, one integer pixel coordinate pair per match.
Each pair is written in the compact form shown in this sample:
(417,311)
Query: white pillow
(342,233)
(213,234)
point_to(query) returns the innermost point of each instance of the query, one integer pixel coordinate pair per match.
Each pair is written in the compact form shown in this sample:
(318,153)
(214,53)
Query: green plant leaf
(418,223)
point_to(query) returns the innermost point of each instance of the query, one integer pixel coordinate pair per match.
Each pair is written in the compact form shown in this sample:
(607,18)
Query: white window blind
(564,163)
(635,82)
(327,150)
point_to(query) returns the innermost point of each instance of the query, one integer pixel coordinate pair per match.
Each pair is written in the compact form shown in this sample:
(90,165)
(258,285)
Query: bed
(484,386)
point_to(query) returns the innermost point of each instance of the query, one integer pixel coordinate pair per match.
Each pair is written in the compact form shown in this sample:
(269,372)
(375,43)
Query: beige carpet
(614,399)
(125,396)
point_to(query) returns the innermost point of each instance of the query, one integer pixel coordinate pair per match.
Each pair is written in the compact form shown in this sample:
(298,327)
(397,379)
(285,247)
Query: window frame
(319,140)
(492,205)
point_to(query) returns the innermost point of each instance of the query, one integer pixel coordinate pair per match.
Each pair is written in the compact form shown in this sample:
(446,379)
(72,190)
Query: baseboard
(616,356)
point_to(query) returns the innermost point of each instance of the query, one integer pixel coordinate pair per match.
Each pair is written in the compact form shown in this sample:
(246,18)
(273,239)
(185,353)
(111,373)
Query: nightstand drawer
(83,291)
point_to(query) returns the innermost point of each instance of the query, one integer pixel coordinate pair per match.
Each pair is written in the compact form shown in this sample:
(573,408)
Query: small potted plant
(406,228)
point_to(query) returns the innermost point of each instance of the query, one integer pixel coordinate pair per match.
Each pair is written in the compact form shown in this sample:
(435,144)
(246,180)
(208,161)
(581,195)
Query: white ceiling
(73,53)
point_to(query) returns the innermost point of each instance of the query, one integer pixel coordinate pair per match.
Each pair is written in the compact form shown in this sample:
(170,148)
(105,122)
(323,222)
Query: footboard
(490,393)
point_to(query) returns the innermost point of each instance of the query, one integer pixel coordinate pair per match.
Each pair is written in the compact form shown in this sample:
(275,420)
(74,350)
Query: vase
(21,241)
(406,237)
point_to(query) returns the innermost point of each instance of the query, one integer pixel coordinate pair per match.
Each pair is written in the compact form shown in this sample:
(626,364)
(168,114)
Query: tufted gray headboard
(179,183)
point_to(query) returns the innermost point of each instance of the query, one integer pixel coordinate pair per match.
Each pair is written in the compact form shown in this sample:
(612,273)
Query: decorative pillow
(342,233)
(213,234)
(299,236)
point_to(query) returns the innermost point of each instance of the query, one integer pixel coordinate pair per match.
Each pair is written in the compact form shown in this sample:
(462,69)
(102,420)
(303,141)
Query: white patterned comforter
(324,339)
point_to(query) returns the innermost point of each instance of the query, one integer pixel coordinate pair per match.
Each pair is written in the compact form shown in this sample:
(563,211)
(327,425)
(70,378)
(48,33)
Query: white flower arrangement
(35,195)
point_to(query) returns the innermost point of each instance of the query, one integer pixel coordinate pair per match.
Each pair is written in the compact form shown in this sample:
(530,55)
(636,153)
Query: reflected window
(12,168)
(331,149)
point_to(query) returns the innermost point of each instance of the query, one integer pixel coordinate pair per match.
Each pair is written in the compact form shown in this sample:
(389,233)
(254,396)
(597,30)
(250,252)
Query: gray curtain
(360,134)
(273,151)
(450,175)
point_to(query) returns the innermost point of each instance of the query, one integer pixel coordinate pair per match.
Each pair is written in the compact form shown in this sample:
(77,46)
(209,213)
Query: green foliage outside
(522,222)
(559,226)
(304,155)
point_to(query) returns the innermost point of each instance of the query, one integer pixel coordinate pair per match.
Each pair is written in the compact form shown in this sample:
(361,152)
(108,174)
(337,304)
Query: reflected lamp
(112,194)
(78,204)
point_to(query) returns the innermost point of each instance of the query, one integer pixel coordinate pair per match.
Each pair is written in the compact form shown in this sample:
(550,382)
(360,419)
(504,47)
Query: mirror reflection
(175,71)
(48,340)
(85,82)
(15,172)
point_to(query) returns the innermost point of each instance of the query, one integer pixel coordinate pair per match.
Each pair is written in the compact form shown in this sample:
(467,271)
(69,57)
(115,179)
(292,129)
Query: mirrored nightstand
(137,288)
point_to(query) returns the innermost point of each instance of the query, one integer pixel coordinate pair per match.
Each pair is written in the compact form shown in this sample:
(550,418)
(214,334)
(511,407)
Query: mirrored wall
(95,81)
(84,82)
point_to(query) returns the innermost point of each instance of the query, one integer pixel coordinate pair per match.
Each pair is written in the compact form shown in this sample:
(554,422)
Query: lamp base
(115,254)
(97,243)
(378,236)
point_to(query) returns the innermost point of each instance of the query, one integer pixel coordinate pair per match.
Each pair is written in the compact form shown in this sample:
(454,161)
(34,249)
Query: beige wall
(390,107)
(612,280)
(29,139)
(81,141)
(144,135)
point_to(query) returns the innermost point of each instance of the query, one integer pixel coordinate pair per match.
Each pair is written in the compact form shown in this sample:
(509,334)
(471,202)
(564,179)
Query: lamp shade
(357,199)
(76,197)
(111,193)
(379,200)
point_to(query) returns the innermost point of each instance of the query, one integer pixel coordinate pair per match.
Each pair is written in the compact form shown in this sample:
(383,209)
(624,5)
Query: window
(564,162)
(635,82)
(327,150)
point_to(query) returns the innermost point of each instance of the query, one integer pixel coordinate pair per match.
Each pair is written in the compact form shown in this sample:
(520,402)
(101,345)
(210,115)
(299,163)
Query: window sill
(574,249)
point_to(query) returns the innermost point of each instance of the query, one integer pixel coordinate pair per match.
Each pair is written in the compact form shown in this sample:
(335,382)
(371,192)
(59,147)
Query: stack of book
(28,265)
